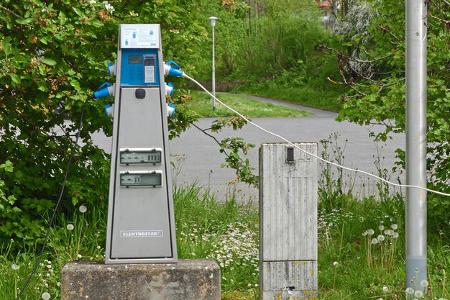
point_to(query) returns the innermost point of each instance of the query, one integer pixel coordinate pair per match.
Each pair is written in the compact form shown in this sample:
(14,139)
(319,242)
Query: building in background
(329,8)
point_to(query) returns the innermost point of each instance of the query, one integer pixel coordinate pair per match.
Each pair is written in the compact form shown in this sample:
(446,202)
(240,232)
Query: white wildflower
(374,241)
(45,296)
(424,283)
(109,8)
(82,209)
(409,291)
(70,227)
(395,235)
(380,238)
(15,267)
(385,289)
(370,232)
(418,294)
(394,226)
(335,263)
(381,227)
(134,14)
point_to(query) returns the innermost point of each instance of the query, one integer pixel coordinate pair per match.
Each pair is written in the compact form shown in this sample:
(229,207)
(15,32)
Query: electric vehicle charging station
(141,225)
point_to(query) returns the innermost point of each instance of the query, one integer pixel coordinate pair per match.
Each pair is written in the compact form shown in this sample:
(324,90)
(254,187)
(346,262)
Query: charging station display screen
(151,179)
(149,68)
(150,156)
(135,59)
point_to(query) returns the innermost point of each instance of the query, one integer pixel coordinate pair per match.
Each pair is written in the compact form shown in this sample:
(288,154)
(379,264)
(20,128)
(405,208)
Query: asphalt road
(197,159)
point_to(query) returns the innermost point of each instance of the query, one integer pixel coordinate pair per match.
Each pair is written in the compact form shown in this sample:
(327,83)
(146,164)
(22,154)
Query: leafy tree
(53,54)
(378,96)
(47,59)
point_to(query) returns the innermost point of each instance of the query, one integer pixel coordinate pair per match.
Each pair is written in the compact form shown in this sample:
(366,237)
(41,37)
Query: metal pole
(416,95)
(213,72)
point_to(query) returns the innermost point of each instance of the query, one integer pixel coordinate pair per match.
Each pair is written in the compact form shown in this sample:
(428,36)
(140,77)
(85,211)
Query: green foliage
(381,98)
(350,267)
(228,34)
(327,99)
(244,172)
(47,59)
(53,55)
(8,209)
(233,148)
(76,236)
(202,225)
(184,116)
(227,232)
(283,54)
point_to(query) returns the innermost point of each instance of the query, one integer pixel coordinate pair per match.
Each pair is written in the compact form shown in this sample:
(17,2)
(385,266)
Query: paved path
(198,160)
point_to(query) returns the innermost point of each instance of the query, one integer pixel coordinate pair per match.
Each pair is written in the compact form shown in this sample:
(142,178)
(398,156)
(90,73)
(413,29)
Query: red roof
(325,4)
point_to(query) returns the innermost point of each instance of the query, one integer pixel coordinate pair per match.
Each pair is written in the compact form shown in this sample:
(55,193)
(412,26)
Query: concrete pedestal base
(184,280)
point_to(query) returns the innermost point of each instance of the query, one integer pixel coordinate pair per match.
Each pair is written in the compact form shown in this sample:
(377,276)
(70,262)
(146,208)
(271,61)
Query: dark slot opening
(290,154)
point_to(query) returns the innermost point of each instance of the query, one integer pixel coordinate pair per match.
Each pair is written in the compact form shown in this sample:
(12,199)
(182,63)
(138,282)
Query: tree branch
(10,12)
(355,58)
(446,22)
(388,30)
(350,85)
(211,136)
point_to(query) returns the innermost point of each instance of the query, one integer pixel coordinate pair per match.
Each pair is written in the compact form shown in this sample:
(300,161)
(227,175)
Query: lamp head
(213,20)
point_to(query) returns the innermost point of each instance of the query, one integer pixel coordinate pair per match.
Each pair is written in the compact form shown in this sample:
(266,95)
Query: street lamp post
(416,143)
(213,21)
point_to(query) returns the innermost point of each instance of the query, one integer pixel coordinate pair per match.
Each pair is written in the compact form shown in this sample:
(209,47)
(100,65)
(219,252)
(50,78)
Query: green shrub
(53,55)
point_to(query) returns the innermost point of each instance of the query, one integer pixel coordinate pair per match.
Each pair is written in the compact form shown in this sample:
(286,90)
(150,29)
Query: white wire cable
(311,154)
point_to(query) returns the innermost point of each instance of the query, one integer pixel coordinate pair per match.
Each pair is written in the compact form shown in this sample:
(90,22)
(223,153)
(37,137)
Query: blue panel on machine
(139,67)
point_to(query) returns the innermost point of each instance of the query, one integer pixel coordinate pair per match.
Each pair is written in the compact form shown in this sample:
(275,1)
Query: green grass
(351,267)
(227,232)
(201,104)
(306,95)
(85,241)
(204,227)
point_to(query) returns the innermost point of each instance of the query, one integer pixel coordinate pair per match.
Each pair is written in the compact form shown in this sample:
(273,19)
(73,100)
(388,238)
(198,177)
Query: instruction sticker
(149,74)
(139,36)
